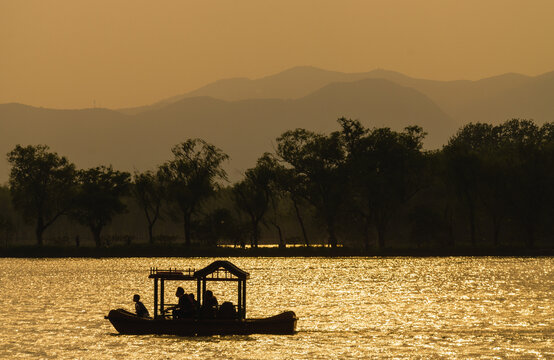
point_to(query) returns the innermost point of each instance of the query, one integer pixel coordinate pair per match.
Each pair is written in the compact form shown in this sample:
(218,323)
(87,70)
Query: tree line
(489,186)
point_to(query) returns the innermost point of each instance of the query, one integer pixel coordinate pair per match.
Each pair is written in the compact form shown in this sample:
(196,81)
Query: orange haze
(68,54)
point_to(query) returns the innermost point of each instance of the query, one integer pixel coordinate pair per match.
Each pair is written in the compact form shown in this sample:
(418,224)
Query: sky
(77,54)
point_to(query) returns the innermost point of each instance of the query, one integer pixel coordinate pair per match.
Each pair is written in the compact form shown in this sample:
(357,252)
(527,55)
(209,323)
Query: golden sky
(68,53)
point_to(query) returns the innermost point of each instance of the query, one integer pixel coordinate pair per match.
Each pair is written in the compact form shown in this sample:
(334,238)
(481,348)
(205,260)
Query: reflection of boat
(126,322)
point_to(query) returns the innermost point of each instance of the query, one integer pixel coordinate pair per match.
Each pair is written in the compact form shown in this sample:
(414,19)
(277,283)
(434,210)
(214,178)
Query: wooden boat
(126,322)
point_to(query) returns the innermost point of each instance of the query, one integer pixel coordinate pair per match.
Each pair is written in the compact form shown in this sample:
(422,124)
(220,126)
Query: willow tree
(41,184)
(192,177)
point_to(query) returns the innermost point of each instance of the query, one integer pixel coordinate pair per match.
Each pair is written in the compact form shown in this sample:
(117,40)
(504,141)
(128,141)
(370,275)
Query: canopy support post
(155,298)
(162,293)
(244,299)
(239,302)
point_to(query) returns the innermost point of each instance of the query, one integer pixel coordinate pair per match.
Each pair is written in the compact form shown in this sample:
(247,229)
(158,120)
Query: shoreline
(184,252)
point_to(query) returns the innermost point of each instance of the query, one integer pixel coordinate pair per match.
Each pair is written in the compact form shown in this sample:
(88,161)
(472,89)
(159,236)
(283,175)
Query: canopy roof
(218,270)
(219,265)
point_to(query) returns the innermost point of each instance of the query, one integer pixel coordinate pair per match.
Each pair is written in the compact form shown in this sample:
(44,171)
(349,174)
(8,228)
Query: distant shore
(182,251)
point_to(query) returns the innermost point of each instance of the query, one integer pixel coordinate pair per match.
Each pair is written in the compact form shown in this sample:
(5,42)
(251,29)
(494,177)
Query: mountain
(492,99)
(243,117)
(293,83)
(244,128)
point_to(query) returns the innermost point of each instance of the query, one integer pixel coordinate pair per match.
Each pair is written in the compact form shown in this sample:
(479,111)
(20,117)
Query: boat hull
(128,323)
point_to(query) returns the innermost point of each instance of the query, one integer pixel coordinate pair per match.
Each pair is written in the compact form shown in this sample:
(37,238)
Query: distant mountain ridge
(244,117)
(492,99)
(244,128)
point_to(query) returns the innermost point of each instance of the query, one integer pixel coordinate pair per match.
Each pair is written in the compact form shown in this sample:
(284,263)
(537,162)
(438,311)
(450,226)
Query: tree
(253,194)
(524,144)
(288,181)
(98,199)
(41,184)
(192,177)
(464,166)
(149,190)
(318,163)
(385,169)
(7,220)
(216,225)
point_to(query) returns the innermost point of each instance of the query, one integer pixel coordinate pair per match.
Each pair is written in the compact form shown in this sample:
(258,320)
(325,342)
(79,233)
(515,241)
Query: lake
(458,307)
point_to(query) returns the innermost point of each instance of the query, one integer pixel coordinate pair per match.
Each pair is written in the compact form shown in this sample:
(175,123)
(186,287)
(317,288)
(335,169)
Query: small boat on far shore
(126,322)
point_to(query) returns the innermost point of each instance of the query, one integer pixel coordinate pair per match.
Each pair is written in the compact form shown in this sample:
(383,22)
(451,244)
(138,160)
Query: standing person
(140,309)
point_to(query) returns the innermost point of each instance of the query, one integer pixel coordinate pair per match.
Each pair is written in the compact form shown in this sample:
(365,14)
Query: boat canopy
(220,270)
(215,269)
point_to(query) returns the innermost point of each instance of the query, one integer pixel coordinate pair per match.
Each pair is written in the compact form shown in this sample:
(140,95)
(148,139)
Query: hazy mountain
(493,99)
(244,129)
(289,84)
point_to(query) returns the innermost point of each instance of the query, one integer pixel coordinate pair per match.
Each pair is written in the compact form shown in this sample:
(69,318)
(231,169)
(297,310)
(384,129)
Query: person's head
(136,297)
(209,294)
(180,292)
(191,295)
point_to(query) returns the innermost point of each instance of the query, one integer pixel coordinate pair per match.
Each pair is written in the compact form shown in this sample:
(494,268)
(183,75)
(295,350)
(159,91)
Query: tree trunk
(472,226)
(530,242)
(381,230)
(496,231)
(96,230)
(150,233)
(280,233)
(39,230)
(186,225)
(367,242)
(471,208)
(301,222)
(255,234)
(331,232)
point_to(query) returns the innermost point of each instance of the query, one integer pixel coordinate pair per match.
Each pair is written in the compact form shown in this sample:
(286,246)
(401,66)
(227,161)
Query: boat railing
(154,271)
(199,314)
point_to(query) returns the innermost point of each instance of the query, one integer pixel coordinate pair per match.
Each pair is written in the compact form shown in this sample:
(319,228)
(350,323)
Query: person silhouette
(185,306)
(209,305)
(140,309)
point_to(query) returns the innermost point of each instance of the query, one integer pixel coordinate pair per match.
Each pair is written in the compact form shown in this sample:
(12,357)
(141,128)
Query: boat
(199,324)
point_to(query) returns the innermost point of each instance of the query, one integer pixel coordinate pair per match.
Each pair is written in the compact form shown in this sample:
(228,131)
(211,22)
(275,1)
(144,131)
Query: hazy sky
(68,53)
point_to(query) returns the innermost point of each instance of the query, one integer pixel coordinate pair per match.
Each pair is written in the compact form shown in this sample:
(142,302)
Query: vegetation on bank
(355,190)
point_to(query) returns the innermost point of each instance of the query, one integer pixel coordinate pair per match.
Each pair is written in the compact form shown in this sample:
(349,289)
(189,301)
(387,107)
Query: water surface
(347,308)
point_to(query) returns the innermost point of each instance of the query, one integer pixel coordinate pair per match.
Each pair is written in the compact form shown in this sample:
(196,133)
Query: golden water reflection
(348,308)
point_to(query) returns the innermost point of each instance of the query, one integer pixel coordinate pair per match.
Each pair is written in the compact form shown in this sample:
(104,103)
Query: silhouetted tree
(276,193)
(523,142)
(149,190)
(318,163)
(7,220)
(253,194)
(192,177)
(385,169)
(41,184)
(288,181)
(216,225)
(464,166)
(98,199)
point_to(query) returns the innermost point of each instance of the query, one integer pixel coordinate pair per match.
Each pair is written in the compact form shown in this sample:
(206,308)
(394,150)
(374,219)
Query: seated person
(227,311)
(185,307)
(139,307)
(209,305)
(191,296)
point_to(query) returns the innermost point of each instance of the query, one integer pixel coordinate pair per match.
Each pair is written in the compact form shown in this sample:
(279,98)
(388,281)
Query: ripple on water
(348,308)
